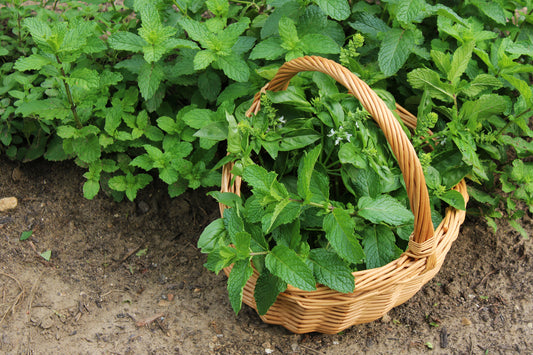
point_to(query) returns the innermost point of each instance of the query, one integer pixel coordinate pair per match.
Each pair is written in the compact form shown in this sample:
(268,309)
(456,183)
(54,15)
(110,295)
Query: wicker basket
(376,290)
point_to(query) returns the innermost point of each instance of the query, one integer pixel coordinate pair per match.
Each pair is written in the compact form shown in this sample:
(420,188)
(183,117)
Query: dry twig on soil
(17,298)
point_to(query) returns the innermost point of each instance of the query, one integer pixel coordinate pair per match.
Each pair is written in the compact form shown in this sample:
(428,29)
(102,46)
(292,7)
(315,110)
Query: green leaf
(46,255)
(33,62)
(25,235)
(285,211)
(395,49)
(87,148)
(378,242)
(197,31)
(369,25)
(209,85)
(269,49)
(267,289)
(480,83)
(409,11)
(84,78)
(384,209)
(240,273)
(257,177)
(460,60)
(40,30)
(198,118)
(90,189)
(427,79)
(331,271)
(318,43)
(454,199)
(287,265)
(234,67)
(233,222)
(231,33)
(305,172)
(492,9)
(523,88)
(126,41)
(518,227)
(288,33)
(340,232)
(203,58)
(336,9)
(150,77)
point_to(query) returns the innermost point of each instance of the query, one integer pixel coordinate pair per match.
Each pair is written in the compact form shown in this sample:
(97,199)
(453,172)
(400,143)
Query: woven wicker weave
(376,290)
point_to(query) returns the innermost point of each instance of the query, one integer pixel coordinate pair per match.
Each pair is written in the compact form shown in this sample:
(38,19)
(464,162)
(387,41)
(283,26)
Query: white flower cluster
(340,135)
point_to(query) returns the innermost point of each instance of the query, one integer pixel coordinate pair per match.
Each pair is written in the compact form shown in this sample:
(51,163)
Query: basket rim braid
(376,290)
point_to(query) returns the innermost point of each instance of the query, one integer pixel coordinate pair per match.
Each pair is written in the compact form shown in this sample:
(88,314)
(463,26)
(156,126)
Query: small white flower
(356,124)
(338,140)
(331,133)
(443,141)
(348,136)
(282,120)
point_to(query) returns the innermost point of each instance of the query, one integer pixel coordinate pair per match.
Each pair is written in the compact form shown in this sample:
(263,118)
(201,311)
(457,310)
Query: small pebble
(8,203)
(386,318)
(170,297)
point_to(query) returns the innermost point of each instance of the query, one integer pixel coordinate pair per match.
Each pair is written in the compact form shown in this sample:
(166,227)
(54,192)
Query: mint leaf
(209,85)
(287,265)
(427,79)
(260,179)
(288,33)
(126,41)
(90,189)
(240,273)
(340,232)
(267,289)
(482,82)
(150,77)
(336,9)
(379,246)
(492,9)
(318,43)
(203,58)
(87,148)
(46,255)
(454,199)
(384,209)
(460,60)
(269,49)
(410,11)
(305,172)
(395,49)
(25,235)
(233,222)
(369,25)
(234,67)
(33,62)
(331,271)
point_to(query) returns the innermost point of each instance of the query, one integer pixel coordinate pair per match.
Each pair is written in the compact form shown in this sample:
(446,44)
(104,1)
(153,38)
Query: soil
(126,278)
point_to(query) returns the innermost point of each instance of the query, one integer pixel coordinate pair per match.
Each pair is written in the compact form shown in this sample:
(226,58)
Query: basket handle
(402,148)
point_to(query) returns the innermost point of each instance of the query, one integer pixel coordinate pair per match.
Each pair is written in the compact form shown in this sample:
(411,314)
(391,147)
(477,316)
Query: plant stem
(509,123)
(184,12)
(69,96)
(259,253)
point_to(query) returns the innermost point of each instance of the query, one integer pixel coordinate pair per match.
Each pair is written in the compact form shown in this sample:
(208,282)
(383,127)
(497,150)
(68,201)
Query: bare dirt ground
(126,278)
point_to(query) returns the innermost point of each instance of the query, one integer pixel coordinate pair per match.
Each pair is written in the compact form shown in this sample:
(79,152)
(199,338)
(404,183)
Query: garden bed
(127,278)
